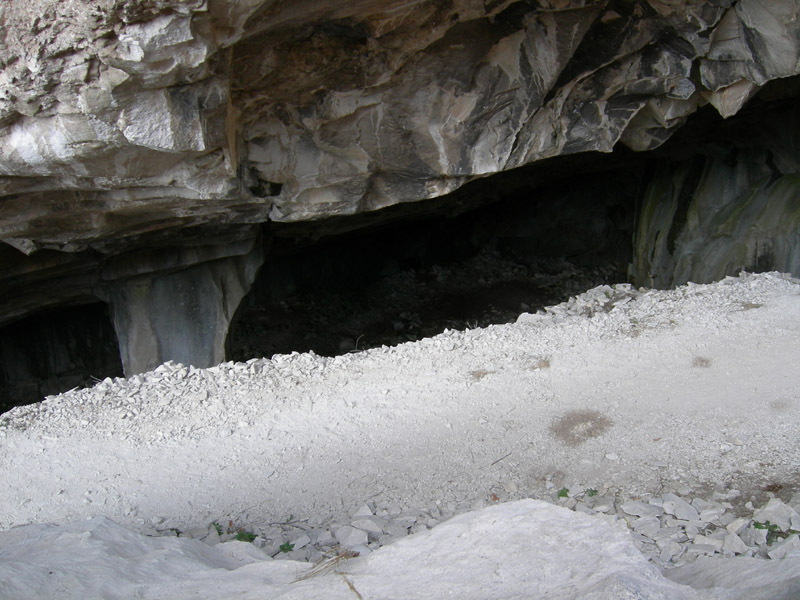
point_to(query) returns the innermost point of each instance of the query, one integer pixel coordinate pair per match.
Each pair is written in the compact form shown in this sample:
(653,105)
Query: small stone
(778,513)
(734,544)
(754,537)
(603,504)
(711,514)
(362,549)
(369,523)
(788,547)
(692,530)
(387,539)
(612,456)
(701,549)
(669,549)
(272,533)
(641,509)
(725,520)
(648,526)
(709,541)
(675,505)
(273,548)
(363,511)
(435,512)
(349,536)
(212,537)
(417,528)
(299,555)
(406,520)
(314,555)
(395,529)
(300,541)
(640,539)
(676,534)
(738,526)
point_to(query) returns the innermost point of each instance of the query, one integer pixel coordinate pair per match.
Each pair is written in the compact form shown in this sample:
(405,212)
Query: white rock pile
(671,530)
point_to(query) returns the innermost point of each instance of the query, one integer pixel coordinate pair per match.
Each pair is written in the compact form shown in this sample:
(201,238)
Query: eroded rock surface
(130,126)
(121,118)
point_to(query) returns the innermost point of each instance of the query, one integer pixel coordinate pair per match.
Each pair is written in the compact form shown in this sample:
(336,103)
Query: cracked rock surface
(126,120)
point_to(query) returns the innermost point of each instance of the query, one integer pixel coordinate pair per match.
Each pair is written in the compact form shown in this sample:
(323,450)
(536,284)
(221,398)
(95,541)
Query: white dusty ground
(632,393)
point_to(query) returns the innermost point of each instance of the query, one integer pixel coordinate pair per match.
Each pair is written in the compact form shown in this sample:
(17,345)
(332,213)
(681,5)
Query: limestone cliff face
(125,118)
(132,127)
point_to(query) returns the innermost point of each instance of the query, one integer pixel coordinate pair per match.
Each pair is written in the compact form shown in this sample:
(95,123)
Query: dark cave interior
(501,245)
(56,350)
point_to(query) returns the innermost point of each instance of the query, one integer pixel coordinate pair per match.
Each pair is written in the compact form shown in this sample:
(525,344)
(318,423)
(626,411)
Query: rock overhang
(159,135)
(174,114)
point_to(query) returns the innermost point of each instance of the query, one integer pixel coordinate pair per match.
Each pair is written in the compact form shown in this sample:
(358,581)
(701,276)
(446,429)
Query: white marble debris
(754,537)
(788,547)
(647,526)
(668,529)
(350,537)
(778,513)
(300,541)
(370,524)
(641,509)
(675,505)
(733,544)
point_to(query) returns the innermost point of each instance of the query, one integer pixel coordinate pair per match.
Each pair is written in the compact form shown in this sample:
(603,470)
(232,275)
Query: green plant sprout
(773,531)
(244,536)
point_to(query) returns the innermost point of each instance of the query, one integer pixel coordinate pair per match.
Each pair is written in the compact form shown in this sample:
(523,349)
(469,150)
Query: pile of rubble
(669,529)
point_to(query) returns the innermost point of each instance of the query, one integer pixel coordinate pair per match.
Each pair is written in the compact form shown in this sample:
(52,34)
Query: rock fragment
(778,513)
(350,537)
(788,547)
(733,544)
(675,505)
(641,509)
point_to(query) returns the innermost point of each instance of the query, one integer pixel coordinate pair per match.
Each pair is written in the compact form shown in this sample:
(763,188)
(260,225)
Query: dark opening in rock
(56,350)
(546,238)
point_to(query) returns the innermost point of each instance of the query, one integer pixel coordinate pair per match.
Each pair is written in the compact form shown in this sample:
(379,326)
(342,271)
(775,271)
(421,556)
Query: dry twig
(326,565)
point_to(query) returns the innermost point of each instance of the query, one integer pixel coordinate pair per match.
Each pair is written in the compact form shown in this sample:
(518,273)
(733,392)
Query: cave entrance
(56,350)
(516,242)
(720,197)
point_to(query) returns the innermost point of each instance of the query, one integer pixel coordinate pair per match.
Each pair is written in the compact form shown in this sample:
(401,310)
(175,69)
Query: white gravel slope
(696,386)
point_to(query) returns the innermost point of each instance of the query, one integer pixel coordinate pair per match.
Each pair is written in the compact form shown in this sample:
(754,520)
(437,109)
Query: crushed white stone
(289,448)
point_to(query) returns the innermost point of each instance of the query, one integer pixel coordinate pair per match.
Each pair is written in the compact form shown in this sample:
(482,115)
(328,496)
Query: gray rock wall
(732,207)
(130,128)
(183,316)
(119,119)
